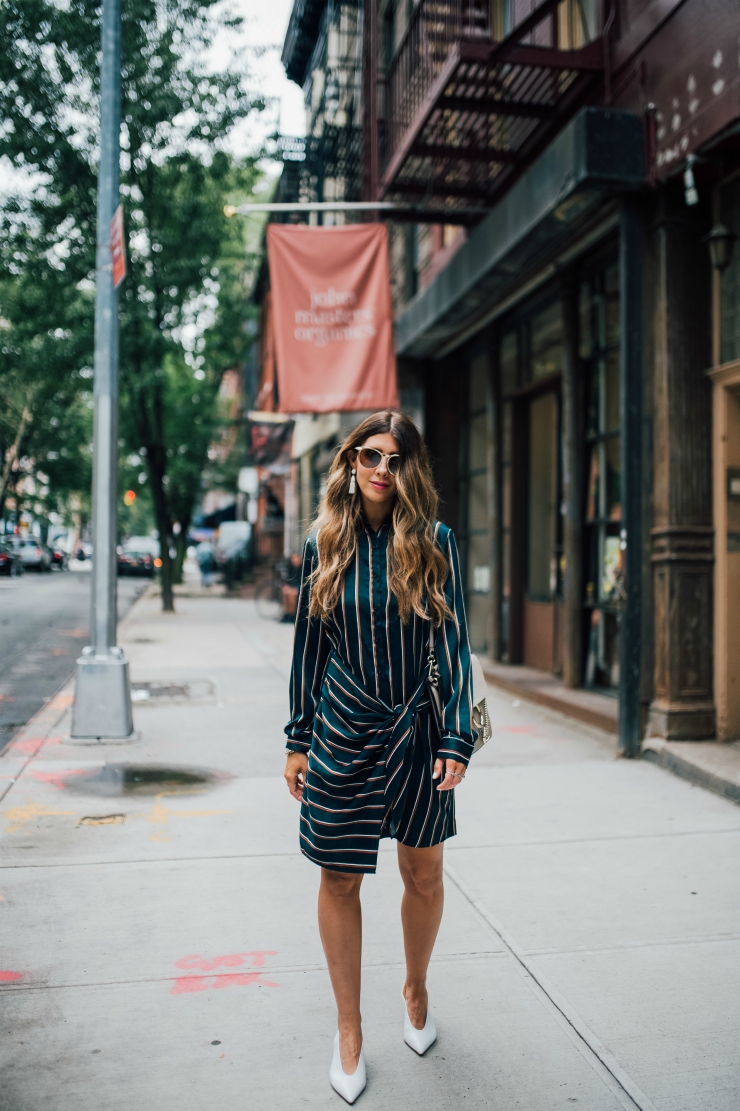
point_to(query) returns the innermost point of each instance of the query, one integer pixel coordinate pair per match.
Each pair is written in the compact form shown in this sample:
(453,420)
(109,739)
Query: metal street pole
(102,706)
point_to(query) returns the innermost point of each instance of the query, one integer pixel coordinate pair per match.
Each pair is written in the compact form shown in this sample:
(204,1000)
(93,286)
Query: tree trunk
(162,518)
(156,460)
(13,454)
(181,548)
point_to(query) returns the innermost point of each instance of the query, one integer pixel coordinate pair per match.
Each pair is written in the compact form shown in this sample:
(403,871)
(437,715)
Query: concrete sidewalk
(160,947)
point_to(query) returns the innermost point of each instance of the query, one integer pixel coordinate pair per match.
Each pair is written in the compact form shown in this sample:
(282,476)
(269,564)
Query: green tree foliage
(45,418)
(184,301)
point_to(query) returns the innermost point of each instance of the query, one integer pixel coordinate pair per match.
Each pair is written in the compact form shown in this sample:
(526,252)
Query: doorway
(544,536)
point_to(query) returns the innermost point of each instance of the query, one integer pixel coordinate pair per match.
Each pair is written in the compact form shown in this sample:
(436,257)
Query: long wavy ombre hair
(417,568)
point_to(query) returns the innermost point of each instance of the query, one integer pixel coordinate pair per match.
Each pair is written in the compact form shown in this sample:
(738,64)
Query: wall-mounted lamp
(720,241)
(690,194)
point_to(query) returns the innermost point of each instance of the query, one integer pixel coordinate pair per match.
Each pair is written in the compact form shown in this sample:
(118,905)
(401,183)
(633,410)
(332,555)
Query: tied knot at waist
(347,695)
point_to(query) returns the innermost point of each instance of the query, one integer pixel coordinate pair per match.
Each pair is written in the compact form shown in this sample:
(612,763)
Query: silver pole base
(102,705)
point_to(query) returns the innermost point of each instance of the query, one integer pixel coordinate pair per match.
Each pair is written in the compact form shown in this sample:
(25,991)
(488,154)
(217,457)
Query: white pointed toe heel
(419,1040)
(349,1086)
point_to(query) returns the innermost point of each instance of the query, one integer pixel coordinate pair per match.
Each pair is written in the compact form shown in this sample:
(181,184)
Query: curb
(27,744)
(657,752)
(564,706)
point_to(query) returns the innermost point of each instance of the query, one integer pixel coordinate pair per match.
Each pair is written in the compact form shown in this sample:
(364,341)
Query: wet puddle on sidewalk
(117,780)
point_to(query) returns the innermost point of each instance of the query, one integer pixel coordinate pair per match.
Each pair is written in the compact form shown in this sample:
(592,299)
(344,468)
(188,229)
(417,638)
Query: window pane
(611,389)
(592,489)
(602,661)
(611,280)
(610,592)
(505,590)
(479,563)
(543,470)
(479,620)
(478,502)
(478,444)
(509,363)
(478,383)
(611,298)
(585,311)
(506,430)
(593,424)
(506,464)
(547,349)
(613,492)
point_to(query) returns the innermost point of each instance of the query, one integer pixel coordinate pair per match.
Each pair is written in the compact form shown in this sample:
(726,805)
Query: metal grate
(466,114)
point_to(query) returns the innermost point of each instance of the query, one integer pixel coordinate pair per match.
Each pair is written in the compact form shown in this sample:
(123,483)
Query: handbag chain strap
(433,675)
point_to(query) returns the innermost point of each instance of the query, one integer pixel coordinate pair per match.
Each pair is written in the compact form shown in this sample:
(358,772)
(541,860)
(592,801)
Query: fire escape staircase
(465,115)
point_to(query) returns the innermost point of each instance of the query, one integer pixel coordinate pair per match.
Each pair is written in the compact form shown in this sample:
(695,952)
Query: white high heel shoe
(419,1040)
(348,1085)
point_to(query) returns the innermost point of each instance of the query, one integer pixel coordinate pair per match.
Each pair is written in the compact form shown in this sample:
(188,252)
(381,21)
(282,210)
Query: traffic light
(129,497)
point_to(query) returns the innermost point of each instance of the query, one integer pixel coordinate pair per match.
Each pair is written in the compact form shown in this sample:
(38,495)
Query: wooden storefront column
(572,402)
(682,534)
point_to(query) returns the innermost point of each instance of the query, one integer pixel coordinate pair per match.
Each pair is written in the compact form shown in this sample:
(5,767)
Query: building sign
(332,318)
(118,247)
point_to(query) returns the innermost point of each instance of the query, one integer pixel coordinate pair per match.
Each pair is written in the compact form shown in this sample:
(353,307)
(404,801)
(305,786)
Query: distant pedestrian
(380,598)
(206,558)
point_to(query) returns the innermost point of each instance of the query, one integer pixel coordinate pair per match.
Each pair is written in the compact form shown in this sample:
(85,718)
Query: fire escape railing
(462,111)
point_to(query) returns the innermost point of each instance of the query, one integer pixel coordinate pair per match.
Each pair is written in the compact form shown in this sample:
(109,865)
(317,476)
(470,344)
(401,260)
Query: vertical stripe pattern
(360,708)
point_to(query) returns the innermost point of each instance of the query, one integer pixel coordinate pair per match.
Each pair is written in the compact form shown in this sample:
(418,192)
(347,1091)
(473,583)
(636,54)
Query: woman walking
(380,600)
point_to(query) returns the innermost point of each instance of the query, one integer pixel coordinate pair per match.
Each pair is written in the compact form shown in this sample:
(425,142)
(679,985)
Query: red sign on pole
(118,247)
(332,318)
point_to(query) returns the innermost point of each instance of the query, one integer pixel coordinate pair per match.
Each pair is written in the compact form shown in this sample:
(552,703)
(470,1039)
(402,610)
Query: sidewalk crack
(583,1038)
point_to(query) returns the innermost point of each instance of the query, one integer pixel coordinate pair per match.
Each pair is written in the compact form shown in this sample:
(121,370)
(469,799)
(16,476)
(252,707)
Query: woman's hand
(296,767)
(453,772)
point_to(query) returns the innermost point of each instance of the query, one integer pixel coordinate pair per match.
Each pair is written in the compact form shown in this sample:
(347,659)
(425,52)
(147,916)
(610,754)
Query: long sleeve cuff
(298,744)
(455,748)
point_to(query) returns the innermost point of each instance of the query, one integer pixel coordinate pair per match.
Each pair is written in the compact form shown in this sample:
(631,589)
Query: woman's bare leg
(340,925)
(421,914)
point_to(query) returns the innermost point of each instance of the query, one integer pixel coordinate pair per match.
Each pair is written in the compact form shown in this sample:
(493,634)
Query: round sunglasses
(370,458)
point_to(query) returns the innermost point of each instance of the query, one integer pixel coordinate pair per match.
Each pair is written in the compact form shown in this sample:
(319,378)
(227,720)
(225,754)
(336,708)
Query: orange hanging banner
(332,318)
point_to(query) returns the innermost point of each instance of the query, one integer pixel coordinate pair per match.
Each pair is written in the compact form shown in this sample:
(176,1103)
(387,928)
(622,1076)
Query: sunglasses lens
(394,465)
(370,458)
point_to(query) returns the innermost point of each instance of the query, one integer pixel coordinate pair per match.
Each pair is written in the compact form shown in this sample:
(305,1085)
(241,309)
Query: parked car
(10,560)
(135,563)
(142,544)
(32,552)
(59,557)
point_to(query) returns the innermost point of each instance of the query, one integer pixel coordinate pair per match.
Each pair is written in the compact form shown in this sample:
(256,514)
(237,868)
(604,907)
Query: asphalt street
(44,622)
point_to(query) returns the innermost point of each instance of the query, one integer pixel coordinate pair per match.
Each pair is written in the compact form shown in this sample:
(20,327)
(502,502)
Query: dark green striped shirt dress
(360,708)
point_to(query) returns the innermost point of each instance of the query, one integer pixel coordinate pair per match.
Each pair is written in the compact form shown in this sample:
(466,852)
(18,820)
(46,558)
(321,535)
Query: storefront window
(599,347)
(730,280)
(543,490)
(531,358)
(546,349)
(475,535)
(509,372)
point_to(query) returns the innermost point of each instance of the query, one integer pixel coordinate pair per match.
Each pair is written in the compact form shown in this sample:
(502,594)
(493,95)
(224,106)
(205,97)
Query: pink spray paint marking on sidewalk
(185,985)
(9,977)
(58,779)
